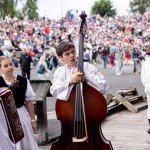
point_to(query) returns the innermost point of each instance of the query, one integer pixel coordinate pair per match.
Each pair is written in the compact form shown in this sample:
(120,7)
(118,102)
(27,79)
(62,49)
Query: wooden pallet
(126,98)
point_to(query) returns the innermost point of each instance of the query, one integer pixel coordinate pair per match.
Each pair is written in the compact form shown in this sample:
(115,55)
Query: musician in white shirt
(145,78)
(66,76)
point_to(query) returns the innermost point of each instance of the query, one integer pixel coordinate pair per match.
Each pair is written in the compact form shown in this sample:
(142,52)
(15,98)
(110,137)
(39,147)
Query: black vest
(19,91)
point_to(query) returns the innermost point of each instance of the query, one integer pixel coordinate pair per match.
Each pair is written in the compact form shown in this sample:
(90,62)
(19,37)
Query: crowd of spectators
(126,36)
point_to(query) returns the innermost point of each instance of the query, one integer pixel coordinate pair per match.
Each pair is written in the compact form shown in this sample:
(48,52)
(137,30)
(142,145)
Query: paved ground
(127,79)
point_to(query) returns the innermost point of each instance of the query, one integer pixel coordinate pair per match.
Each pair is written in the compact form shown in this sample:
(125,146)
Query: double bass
(81,115)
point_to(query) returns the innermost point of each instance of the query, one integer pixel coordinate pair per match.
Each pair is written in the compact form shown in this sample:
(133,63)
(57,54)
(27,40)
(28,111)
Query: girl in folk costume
(23,95)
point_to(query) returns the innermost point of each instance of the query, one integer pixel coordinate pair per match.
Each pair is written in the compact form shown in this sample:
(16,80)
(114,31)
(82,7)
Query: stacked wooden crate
(126,98)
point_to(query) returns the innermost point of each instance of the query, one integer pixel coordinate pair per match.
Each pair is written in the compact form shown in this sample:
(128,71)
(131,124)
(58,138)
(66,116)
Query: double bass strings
(80,129)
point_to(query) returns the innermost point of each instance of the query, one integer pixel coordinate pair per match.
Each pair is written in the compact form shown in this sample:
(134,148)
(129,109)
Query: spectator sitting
(33,56)
(41,68)
(6,52)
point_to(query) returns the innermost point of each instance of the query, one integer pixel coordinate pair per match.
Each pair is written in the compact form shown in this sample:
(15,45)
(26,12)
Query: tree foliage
(139,6)
(103,7)
(8,7)
(30,9)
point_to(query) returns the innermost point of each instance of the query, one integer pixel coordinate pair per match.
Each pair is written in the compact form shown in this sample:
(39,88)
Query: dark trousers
(135,61)
(25,72)
(105,61)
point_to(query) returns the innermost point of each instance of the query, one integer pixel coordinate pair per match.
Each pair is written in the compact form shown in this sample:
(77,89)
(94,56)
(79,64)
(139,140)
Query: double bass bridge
(76,140)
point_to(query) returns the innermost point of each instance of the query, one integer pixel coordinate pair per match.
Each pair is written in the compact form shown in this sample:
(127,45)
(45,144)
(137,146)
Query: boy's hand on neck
(76,77)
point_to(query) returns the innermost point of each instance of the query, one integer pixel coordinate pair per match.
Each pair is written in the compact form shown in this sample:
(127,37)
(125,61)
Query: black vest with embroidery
(19,91)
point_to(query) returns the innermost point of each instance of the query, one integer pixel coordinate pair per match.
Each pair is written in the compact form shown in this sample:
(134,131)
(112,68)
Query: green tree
(19,13)
(8,7)
(103,7)
(139,6)
(30,9)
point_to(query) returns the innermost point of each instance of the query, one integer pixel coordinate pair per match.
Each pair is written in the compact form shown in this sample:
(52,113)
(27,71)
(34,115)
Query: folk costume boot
(148,131)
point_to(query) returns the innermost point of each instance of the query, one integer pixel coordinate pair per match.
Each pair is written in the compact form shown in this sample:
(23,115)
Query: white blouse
(60,85)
